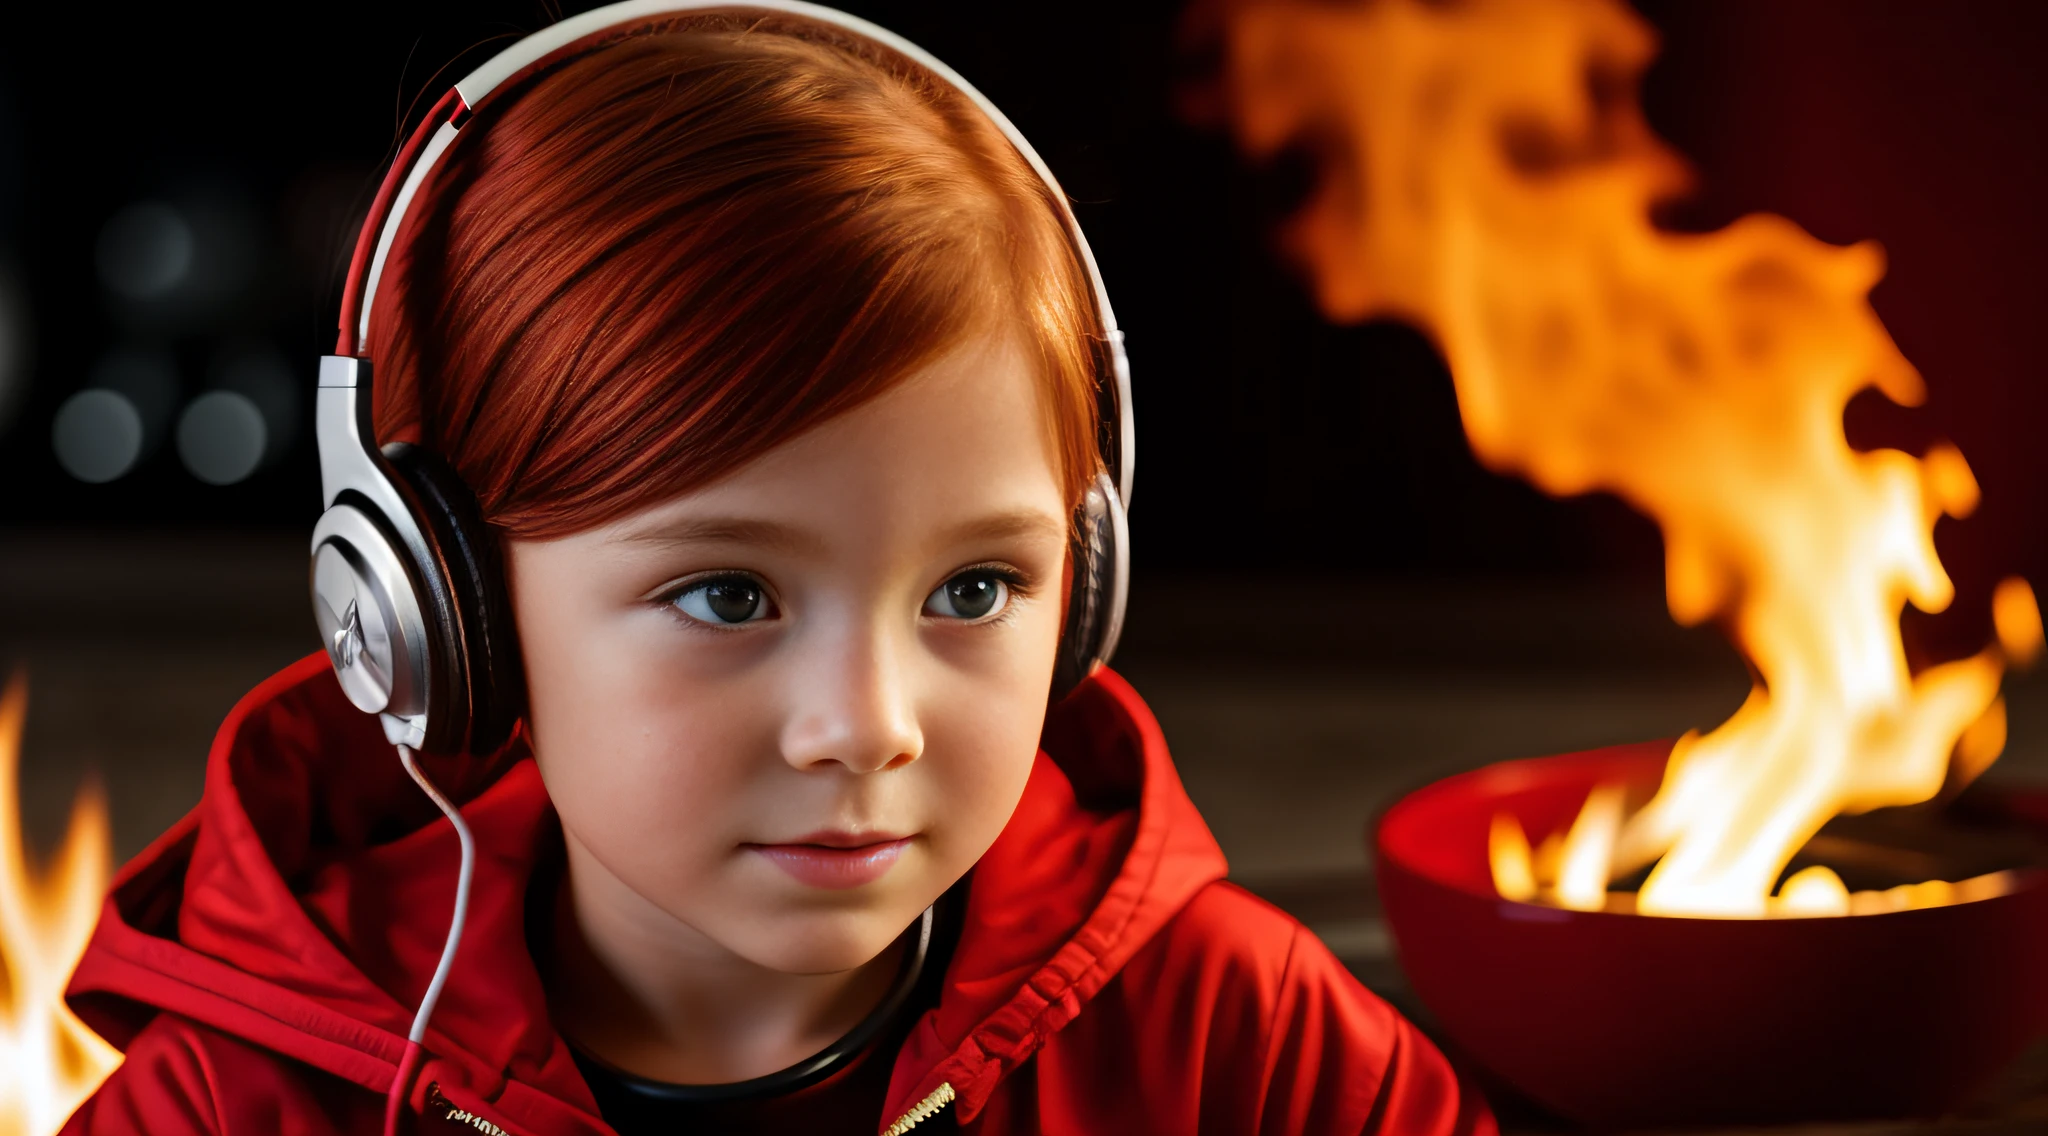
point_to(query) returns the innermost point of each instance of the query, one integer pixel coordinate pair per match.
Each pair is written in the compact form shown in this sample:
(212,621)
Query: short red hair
(651,264)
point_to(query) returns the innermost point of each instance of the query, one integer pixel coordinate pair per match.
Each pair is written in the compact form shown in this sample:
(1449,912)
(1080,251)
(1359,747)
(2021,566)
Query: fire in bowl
(1619,1020)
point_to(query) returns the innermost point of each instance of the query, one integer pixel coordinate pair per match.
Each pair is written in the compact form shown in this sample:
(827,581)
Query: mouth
(835,860)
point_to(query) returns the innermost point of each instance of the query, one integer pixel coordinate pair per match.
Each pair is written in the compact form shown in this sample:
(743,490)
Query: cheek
(977,785)
(982,737)
(640,760)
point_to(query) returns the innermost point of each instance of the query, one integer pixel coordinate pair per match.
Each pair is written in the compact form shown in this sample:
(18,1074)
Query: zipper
(450,1112)
(919,1113)
(923,1110)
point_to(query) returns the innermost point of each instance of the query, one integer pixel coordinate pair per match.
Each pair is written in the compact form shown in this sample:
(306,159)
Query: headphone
(408,589)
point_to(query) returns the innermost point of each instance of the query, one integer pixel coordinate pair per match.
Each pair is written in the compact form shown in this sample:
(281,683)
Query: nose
(852,704)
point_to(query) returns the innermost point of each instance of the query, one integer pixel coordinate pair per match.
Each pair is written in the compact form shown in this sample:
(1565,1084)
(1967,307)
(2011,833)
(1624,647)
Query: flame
(2017,619)
(1487,175)
(1576,879)
(1589,849)
(1813,891)
(1514,868)
(49,1060)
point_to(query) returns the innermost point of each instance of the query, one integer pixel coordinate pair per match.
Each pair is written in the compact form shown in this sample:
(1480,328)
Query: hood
(302,905)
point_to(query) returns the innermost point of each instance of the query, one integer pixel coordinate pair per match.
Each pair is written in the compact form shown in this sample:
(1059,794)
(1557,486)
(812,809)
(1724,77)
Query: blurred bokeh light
(97,435)
(183,263)
(146,251)
(221,437)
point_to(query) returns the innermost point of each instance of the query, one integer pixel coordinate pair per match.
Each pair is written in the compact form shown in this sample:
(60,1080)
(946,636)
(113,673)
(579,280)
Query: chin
(821,942)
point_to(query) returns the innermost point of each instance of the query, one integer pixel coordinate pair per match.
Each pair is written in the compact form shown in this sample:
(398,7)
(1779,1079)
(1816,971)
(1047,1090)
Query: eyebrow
(1001,526)
(791,540)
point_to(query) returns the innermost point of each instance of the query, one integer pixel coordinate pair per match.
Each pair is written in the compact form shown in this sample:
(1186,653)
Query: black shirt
(842,1088)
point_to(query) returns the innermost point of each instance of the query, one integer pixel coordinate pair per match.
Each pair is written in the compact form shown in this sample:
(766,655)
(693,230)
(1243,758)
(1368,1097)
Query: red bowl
(1616,1020)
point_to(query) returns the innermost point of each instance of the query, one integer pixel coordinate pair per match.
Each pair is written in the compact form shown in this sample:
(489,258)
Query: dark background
(1270,441)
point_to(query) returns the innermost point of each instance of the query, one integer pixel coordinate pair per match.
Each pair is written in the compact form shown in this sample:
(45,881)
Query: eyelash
(1021,587)
(667,598)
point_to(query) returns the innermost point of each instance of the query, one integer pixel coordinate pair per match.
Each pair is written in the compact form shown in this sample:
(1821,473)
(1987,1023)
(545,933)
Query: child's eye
(970,595)
(724,600)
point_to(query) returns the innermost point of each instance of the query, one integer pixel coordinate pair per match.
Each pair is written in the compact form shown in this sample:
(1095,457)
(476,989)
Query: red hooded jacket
(260,962)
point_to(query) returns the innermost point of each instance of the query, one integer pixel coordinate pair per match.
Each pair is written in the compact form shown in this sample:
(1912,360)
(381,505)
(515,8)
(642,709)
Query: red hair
(651,264)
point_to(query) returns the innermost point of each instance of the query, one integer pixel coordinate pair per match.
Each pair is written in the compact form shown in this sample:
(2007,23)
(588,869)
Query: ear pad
(1095,605)
(478,689)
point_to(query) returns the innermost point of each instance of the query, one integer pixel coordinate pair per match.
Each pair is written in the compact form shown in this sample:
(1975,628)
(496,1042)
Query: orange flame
(1487,175)
(49,1060)
(1514,869)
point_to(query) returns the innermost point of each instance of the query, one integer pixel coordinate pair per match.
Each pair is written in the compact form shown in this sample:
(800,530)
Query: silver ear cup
(1112,559)
(368,614)
(1095,608)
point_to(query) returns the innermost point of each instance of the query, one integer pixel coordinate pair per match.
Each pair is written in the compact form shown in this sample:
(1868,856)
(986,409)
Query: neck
(645,992)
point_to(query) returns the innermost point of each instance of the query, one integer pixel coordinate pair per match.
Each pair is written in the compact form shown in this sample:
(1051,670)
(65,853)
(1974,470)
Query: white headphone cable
(401,1084)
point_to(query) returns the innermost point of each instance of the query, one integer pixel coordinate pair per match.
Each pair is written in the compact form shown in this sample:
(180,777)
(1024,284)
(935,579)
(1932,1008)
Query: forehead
(964,439)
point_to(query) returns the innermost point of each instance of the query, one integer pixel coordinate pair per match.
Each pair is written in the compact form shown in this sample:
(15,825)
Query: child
(772,371)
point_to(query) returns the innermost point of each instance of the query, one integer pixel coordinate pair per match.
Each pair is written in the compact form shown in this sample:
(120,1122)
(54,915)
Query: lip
(835,860)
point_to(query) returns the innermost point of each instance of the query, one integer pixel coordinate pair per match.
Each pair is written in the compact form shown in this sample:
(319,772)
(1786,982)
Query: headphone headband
(423,150)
